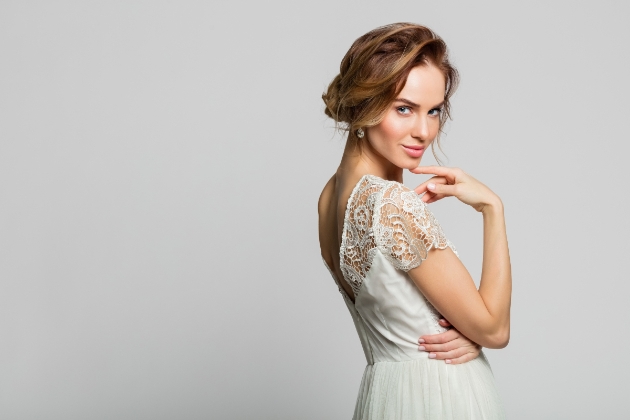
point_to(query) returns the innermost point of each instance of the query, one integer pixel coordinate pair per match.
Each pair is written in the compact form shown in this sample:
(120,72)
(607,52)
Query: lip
(414,151)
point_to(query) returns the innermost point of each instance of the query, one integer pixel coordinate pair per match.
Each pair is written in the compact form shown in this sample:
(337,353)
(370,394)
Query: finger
(422,188)
(427,196)
(443,189)
(450,173)
(435,170)
(449,355)
(444,322)
(451,345)
(431,198)
(441,338)
(462,359)
(436,197)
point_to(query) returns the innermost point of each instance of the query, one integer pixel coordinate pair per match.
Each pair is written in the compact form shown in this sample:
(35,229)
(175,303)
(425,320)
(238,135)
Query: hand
(457,183)
(450,346)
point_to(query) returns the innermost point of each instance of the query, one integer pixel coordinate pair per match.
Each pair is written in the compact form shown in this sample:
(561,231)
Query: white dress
(387,231)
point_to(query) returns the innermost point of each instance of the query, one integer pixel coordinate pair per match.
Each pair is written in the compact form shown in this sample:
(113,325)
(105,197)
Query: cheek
(392,129)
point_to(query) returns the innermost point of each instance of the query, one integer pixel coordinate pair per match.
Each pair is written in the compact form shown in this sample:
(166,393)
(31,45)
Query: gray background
(160,164)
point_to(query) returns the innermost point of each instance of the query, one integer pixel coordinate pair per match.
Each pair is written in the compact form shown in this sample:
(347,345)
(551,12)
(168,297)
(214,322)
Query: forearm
(495,287)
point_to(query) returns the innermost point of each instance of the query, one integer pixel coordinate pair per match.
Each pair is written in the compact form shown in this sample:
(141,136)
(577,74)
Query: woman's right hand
(456,183)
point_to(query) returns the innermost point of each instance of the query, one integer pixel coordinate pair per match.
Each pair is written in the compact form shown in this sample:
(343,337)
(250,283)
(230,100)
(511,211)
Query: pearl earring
(360,133)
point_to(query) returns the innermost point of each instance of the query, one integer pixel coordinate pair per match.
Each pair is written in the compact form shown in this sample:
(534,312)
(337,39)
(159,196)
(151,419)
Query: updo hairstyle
(375,69)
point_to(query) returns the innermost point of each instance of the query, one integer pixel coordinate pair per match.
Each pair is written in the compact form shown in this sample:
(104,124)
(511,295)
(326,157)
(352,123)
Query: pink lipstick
(414,151)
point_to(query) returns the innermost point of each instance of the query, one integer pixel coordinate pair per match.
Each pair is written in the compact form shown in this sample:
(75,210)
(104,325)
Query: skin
(413,121)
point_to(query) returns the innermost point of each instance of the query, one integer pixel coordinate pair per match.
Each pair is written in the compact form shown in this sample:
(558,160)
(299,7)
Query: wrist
(493,207)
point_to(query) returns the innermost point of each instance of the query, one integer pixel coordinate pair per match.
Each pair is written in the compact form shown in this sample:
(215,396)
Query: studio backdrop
(160,166)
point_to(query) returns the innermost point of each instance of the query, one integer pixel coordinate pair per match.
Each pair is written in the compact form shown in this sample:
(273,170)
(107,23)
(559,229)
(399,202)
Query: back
(331,209)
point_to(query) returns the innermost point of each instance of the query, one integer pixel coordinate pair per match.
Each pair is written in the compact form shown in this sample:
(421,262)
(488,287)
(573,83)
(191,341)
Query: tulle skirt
(429,390)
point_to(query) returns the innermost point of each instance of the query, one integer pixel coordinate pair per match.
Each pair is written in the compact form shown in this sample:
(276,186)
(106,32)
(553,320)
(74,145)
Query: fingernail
(431,355)
(448,361)
(421,340)
(431,186)
(421,348)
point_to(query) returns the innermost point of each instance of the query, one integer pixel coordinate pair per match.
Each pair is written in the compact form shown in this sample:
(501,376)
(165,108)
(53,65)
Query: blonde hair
(375,69)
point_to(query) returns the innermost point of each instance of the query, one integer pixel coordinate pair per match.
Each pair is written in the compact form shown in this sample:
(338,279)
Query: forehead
(425,85)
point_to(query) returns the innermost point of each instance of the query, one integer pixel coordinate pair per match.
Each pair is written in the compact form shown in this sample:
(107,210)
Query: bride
(395,268)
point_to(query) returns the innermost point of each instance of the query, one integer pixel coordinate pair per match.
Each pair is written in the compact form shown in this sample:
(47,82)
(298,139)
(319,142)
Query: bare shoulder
(327,222)
(324,202)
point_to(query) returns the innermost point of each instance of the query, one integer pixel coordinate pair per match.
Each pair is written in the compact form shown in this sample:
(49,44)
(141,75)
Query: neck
(361,159)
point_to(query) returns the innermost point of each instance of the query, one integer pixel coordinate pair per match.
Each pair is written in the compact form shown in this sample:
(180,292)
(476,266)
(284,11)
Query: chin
(409,163)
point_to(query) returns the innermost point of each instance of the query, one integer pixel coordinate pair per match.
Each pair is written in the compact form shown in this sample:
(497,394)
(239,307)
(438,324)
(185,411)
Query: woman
(393,264)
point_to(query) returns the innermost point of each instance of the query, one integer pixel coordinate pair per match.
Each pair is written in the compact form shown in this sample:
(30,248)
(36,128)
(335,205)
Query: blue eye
(435,111)
(404,110)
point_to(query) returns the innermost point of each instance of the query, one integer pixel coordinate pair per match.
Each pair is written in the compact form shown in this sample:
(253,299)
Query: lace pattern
(405,228)
(386,216)
(357,241)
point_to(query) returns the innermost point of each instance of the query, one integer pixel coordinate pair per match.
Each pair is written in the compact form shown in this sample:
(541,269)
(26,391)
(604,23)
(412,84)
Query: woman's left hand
(450,346)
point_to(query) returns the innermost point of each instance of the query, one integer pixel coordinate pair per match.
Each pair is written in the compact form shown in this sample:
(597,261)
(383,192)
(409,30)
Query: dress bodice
(387,231)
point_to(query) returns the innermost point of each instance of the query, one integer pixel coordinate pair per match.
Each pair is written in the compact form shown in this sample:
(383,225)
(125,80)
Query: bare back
(331,208)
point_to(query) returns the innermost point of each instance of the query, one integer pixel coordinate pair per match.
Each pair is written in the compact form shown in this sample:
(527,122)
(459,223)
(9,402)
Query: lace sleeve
(405,230)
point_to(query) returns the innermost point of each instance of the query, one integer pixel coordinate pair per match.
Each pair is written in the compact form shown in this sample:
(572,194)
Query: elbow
(499,339)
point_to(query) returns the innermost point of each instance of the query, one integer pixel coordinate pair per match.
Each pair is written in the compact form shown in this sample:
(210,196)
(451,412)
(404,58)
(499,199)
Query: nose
(421,129)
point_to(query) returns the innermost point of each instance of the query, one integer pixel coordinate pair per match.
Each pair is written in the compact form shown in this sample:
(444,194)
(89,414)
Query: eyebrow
(413,104)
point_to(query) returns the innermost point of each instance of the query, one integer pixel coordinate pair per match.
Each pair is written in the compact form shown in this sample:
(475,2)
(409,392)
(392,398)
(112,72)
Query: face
(412,121)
